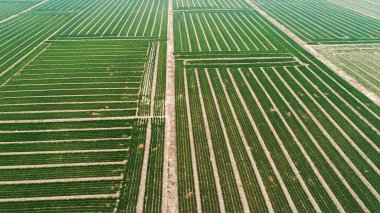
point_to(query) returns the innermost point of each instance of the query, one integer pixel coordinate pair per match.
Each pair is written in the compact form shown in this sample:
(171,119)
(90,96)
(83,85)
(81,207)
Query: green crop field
(189,106)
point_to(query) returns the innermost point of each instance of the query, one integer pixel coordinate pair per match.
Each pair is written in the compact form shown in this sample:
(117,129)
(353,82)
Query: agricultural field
(360,61)
(322,21)
(81,116)
(11,8)
(188,106)
(366,7)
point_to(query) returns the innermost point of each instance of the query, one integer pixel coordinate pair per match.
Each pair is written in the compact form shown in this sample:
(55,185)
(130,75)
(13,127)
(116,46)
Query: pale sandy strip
(63,180)
(336,202)
(37,166)
(345,135)
(62,152)
(170,177)
(52,198)
(210,147)
(148,136)
(245,142)
(192,146)
(264,147)
(65,141)
(340,151)
(24,11)
(239,183)
(240,58)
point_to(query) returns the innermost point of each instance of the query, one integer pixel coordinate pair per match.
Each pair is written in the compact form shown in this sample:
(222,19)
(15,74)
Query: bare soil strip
(170,177)
(70,197)
(63,180)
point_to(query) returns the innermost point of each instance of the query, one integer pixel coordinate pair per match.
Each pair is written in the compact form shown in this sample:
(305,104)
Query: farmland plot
(9,8)
(70,120)
(366,7)
(119,18)
(359,61)
(222,31)
(283,129)
(33,30)
(205,4)
(322,21)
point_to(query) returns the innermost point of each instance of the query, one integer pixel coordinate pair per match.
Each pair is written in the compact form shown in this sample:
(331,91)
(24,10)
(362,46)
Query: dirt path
(170,181)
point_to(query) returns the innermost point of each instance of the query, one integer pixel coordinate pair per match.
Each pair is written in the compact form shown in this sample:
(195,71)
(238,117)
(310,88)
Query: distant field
(9,8)
(322,21)
(361,62)
(367,7)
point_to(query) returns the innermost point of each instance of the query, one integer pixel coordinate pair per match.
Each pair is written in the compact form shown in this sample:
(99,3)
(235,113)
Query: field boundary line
(170,177)
(69,197)
(63,180)
(24,11)
(373,97)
